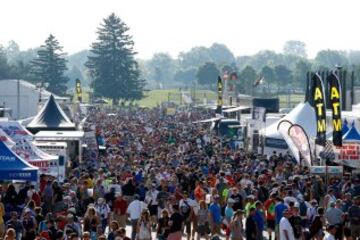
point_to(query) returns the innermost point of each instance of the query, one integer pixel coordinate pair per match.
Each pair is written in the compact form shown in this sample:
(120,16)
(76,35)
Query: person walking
(134,211)
(286,231)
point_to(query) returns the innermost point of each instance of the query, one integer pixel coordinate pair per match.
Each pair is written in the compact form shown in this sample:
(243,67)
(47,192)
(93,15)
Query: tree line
(111,69)
(278,71)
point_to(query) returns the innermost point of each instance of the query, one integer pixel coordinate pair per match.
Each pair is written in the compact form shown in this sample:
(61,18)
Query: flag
(283,128)
(220,96)
(297,140)
(301,141)
(335,101)
(259,81)
(78,90)
(318,98)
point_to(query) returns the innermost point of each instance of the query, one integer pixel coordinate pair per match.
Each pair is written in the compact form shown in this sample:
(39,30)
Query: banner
(283,128)
(220,96)
(78,90)
(335,101)
(318,98)
(301,141)
(348,154)
(259,114)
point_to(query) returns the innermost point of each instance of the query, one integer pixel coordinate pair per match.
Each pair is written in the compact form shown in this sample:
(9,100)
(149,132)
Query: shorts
(153,209)
(270,224)
(203,230)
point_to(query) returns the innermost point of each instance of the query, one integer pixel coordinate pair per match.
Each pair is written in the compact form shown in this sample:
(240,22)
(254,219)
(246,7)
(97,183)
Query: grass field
(154,97)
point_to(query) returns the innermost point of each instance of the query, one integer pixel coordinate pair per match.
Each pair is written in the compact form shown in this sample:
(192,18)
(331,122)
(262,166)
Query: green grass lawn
(154,97)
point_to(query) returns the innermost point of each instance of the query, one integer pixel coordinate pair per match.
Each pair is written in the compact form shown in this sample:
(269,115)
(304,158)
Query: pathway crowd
(169,178)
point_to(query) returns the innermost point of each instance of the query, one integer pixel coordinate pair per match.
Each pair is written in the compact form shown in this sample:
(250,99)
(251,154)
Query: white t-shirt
(329,236)
(286,226)
(151,196)
(135,209)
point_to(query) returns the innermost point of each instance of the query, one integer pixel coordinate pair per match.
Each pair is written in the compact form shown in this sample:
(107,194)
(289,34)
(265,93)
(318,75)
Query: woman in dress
(144,226)
(163,225)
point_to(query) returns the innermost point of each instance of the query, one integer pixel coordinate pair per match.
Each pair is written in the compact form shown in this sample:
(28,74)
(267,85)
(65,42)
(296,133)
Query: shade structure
(13,167)
(303,115)
(51,118)
(352,135)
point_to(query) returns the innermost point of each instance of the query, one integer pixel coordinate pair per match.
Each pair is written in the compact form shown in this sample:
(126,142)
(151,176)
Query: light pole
(41,86)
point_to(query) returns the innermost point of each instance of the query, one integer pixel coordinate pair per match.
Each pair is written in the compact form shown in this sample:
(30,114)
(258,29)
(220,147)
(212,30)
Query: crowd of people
(168,178)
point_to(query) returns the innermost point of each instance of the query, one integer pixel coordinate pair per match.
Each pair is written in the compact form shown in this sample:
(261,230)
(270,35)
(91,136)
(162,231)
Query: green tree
(187,77)
(166,64)
(112,64)
(5,69)
(269,76)
(50,66)
(297,48)
(300,71)
(207,74)
(196,57)
(74,74)
(247,79)
(330,58)
(220,54)
(283,76)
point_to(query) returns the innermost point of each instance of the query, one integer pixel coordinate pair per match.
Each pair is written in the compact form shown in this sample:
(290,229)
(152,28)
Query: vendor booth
(51,124)
(13,167)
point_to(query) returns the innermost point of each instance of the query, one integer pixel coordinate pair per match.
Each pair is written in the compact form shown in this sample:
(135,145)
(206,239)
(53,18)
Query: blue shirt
(279,210)
(215,211)
(259,219)
(229,212)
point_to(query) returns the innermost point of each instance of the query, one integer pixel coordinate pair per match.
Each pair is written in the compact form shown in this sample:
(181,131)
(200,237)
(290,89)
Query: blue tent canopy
(345,127)
(352,134)
(12,167)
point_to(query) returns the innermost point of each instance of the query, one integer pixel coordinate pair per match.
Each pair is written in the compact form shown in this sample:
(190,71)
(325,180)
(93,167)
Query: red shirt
(270,209)
(120,206)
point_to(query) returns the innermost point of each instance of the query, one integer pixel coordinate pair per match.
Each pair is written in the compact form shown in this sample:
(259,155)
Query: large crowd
(164,177)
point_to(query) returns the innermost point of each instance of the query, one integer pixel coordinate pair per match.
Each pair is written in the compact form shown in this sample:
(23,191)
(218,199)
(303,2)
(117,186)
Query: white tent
(303,114)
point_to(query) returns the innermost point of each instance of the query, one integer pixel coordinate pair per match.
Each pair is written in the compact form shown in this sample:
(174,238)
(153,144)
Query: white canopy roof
(59,135)
(303,114)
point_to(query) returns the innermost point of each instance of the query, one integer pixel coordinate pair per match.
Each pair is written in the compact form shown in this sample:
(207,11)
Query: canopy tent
(22,145)
(50,118)
(13,167)
(345,127)
(6,139)
(352,135)
(303,114)
(15,130)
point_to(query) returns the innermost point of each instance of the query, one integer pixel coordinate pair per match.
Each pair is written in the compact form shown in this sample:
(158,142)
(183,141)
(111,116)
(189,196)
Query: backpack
(185,209)
(303,209)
